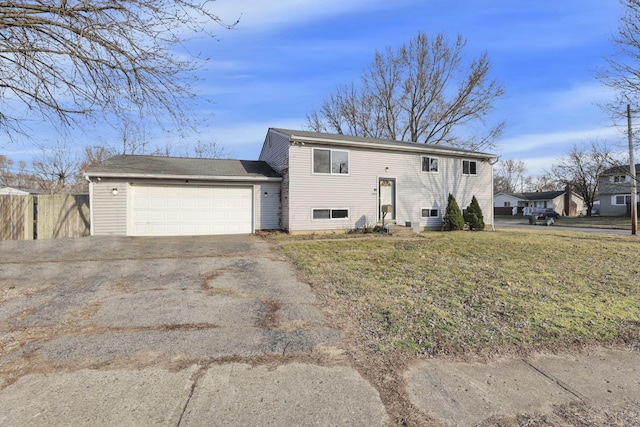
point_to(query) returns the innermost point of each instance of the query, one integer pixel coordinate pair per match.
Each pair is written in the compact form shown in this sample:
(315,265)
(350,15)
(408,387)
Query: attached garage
(165,196)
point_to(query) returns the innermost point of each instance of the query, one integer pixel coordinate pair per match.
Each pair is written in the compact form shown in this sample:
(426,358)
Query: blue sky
(285,57)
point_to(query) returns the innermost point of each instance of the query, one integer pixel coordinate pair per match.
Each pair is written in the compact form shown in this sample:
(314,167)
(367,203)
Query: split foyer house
(302,182)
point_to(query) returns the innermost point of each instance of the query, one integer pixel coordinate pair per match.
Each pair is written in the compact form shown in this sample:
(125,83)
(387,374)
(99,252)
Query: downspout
(90,204)
(493,213)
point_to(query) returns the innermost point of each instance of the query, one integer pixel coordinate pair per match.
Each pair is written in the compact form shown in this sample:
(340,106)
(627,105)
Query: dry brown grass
(480,293)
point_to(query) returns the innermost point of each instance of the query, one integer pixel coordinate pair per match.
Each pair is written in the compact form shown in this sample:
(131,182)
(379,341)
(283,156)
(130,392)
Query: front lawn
(613,222)
(480,292)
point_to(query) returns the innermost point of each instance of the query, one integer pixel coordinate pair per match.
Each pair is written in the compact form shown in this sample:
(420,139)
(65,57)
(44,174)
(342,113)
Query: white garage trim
(188,210)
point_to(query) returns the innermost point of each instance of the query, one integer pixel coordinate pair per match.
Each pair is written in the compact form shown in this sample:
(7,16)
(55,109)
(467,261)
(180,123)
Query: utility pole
(634,178)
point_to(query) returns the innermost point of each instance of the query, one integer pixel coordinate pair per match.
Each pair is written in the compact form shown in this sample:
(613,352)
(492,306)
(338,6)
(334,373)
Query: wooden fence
(16,217)
(44,217)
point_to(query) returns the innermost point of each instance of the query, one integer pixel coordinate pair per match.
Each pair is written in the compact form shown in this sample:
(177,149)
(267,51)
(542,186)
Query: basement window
(429,213)
(331,214)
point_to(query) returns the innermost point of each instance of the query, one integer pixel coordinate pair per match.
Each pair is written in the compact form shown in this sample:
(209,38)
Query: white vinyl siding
(358,190)
(108,211)
(275,151)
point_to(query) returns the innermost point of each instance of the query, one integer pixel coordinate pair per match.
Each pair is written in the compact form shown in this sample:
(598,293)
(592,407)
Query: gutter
(420,148)
(183,177)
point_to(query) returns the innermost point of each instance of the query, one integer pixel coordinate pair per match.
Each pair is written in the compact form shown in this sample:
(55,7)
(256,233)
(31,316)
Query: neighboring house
(152,196)
(338,182)
(565,202)
(10,191)
(614,187)
(303,181)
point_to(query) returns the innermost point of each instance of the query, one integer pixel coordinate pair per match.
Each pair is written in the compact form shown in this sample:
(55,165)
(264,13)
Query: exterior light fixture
(114,191)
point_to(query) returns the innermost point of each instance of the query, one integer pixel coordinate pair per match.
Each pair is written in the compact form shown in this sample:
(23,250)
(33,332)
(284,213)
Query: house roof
(537,195)
(134,166)
(13,191)
(357,141)
(620,170)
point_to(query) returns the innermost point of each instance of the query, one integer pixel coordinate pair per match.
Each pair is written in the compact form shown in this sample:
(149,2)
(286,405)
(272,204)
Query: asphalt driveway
(219,331)
(128,331)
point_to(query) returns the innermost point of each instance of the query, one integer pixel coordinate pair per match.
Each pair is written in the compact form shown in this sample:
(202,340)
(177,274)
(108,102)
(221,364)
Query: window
(622,199)
(507,204)
(427,213)
(330,161)
(469,167)
(331,214)
(429,164)
(620,178)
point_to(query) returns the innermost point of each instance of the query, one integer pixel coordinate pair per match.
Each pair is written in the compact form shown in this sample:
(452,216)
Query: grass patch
(485,293)
(611,222)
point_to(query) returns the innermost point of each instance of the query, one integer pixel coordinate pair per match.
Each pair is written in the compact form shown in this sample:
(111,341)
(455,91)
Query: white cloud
(530,143)
(259,15)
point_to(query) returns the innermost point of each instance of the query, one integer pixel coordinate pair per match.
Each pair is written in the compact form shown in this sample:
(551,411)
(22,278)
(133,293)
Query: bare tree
(67,59)
(509,176)
(424,91)
(623,68)
(622,72)
(581,169)
(5,170)
(56,169)
(544,182)
(210,150)
(23,179)
(134,140)
(20,179)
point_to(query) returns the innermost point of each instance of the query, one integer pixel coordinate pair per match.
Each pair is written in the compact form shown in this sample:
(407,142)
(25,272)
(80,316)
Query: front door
(387,193)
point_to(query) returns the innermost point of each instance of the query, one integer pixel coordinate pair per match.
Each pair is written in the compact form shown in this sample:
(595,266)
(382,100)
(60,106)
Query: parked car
(545,213)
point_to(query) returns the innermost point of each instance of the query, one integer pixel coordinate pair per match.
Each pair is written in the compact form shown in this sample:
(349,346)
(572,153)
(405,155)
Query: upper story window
(330,161)
(507,204)
(469,167)
(620,178)
(429,164)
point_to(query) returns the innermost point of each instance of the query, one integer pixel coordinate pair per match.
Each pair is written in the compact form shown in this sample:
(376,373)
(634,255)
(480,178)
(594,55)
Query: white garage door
(188,211)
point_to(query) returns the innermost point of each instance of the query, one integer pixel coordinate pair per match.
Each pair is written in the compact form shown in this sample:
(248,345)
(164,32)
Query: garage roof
(134,166)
